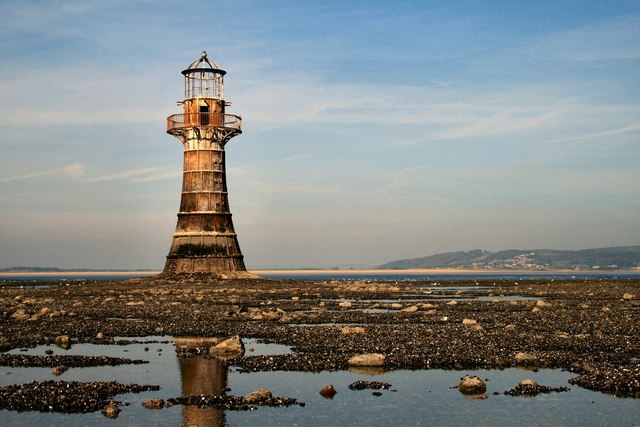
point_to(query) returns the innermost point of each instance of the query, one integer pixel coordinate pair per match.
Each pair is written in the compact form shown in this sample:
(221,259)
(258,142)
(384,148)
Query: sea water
(423,397)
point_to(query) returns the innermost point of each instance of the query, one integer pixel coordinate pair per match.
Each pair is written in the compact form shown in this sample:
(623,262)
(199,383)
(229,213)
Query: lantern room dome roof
(204,64)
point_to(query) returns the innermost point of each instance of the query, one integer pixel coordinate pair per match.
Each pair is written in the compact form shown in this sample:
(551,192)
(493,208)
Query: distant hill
(626,257)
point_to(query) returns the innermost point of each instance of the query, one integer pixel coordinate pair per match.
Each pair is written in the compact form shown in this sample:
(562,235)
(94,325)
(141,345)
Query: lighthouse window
(204,115)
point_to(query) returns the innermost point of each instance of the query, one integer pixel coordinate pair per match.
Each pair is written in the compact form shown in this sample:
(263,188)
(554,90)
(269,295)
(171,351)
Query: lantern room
(204,79)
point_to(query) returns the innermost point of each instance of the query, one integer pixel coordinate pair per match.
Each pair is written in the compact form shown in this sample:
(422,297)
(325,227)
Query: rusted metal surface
(179,123)
(204,240)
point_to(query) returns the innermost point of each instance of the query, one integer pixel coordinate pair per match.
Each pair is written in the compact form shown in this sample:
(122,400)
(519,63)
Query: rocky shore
(589,327)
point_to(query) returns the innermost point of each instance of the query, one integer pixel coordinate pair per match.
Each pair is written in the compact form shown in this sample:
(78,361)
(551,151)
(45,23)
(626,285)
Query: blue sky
(373,131)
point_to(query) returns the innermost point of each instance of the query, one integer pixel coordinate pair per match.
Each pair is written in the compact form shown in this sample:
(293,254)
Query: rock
(541,303)
(370,359)
(328,391)
(352,330)
(59,370)
(527,383)
(410,309)
(154,403)
(21,314)
(295,298)
(257,396)
(42,313)
(628,297)
(471,384)
(99,336)
(230,347)
(63,341)
(111,410)
(396,306)
(452,302)
(375,385)
(345,304)
(469,322)
(525,358)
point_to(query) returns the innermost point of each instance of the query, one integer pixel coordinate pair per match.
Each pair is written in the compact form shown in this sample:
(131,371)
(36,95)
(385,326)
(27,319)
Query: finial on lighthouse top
(204,64)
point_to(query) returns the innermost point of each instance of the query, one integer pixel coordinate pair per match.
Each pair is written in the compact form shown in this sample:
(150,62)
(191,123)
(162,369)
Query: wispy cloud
(74,170)
(613,39)
(627,129)
(157,177)
(124,175)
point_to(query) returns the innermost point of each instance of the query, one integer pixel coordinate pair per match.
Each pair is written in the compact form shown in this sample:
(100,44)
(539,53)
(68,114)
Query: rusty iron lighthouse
(204,240)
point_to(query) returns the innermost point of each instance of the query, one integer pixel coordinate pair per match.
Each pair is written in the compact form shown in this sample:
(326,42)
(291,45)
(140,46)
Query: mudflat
(589,327)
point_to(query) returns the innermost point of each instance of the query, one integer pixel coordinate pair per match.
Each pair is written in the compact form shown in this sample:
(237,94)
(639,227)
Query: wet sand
(589,327)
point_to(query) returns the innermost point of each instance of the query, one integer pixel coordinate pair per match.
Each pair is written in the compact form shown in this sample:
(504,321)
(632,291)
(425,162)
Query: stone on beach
(471,384)
(153,403)
(59,370)
(21,314)
(257,396)
(370,359)
(525,358)
(63,341)
(111,410)
(352,330)
(328,391)
(230,347)
(528,382)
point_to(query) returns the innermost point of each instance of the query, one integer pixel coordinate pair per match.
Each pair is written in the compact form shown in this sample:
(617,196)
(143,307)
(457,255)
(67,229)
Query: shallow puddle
(427,397)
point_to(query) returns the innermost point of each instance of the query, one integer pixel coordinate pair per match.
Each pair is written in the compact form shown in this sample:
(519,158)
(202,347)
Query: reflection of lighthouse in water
(201,376)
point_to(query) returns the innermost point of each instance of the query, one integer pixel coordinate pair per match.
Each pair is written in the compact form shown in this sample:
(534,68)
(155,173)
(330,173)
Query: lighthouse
(204,240)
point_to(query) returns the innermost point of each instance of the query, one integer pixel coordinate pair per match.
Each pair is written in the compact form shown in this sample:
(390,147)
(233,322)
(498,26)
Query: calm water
(415,398)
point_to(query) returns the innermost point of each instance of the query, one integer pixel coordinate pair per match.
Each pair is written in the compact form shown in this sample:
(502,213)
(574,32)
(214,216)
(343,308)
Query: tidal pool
(426,397)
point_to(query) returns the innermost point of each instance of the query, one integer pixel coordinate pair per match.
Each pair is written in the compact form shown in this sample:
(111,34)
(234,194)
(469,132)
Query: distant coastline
(304,272)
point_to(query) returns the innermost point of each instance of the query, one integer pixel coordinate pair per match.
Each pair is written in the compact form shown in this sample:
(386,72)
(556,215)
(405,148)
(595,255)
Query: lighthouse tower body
(204,240)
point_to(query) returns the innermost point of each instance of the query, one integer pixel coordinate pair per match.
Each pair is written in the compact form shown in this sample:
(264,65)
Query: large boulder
(526,358)
(472,385)
(370,359)
(229,347)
